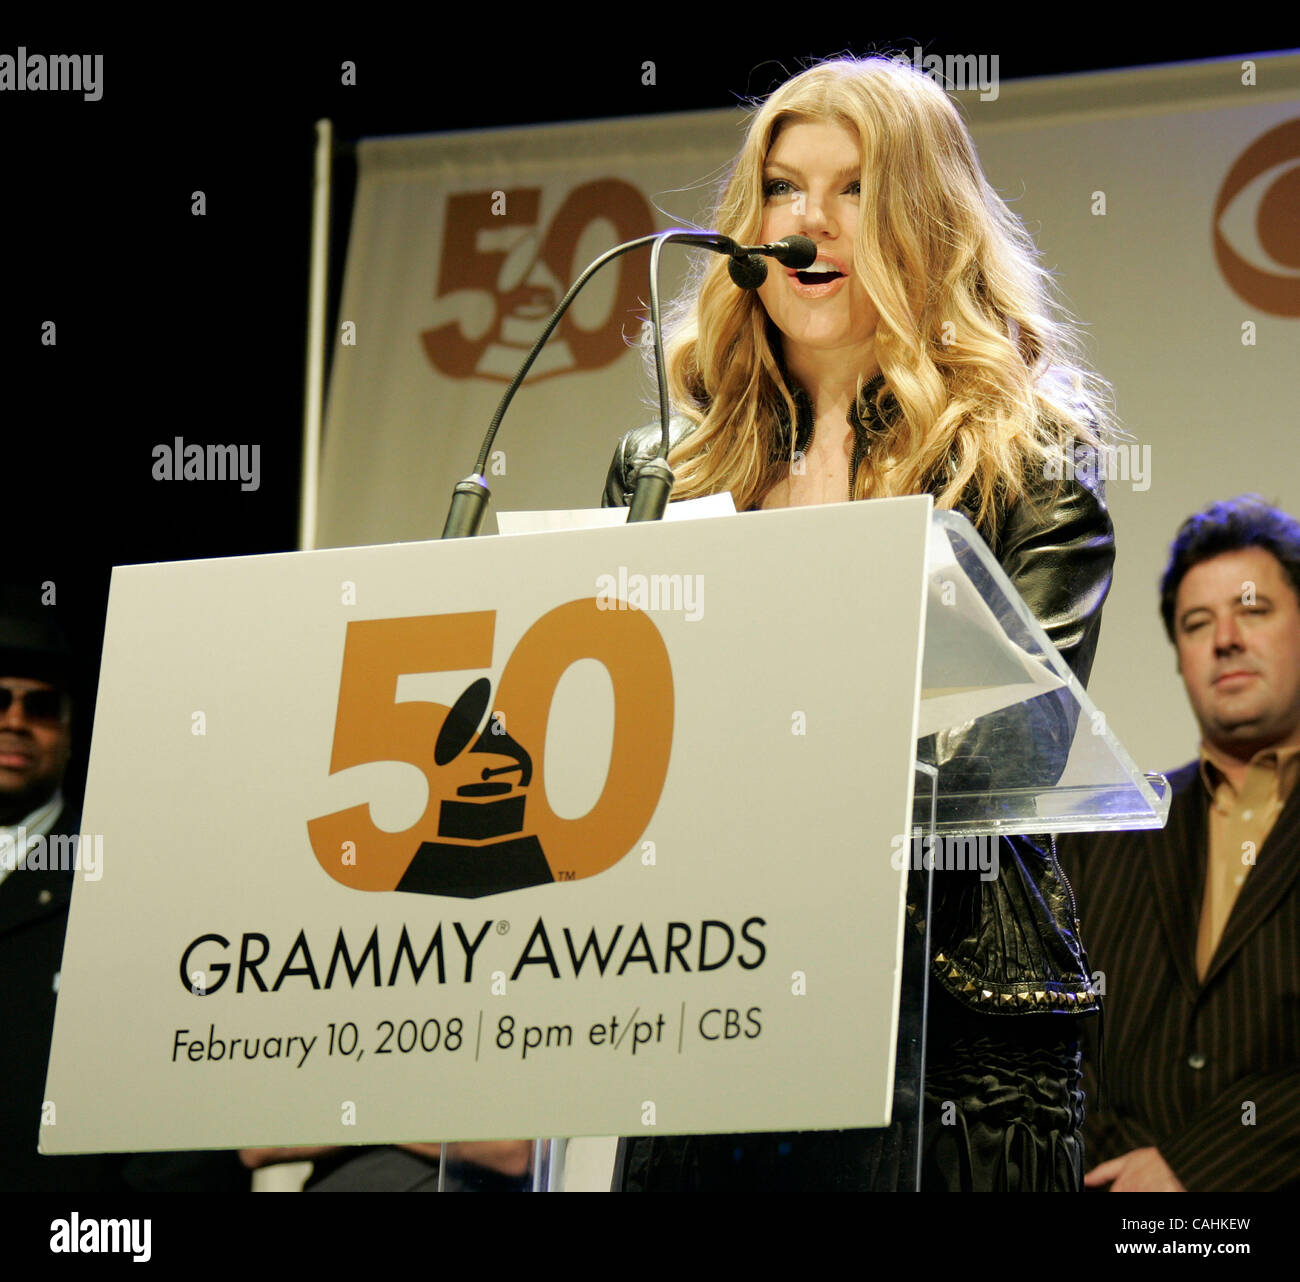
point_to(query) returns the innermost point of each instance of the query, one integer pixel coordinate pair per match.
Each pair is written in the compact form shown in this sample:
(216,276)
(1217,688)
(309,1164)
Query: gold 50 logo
(503,272)
(488,826)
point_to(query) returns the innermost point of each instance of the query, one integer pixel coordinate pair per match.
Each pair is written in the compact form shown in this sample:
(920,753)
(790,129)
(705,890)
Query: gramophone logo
(488,826)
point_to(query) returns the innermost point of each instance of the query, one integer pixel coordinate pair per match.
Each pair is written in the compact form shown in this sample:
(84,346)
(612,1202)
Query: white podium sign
(564,834)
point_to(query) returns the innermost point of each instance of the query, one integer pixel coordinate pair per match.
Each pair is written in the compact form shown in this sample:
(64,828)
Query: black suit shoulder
(33,919)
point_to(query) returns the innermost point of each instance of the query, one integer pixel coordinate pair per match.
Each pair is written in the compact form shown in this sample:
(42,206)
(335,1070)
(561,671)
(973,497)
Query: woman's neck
(831,378)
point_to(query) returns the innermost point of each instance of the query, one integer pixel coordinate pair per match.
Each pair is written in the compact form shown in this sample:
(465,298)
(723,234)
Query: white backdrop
(1117,175)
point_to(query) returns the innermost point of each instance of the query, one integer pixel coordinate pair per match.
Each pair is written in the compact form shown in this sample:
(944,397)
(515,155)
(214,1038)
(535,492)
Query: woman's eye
(774,187)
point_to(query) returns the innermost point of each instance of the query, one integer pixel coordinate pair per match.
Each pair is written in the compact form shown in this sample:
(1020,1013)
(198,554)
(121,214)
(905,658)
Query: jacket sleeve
(1058,551)
(636,447)
(618,489)
(1059,556)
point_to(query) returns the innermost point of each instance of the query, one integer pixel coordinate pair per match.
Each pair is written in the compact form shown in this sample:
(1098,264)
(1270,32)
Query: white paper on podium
(598,518)
(970,666)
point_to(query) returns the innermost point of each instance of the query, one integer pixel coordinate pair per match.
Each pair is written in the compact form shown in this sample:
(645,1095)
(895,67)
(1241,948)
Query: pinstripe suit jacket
(1206,1071)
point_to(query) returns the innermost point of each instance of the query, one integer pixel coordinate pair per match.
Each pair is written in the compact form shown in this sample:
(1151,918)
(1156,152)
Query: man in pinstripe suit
(1196,928)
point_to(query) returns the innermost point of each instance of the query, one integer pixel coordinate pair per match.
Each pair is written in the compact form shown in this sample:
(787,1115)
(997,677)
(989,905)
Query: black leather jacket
(1009,945)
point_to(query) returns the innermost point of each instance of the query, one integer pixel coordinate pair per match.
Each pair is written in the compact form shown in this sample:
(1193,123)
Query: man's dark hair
(1244,522)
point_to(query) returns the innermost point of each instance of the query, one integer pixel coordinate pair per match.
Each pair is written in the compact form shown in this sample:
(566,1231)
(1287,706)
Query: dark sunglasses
(38,705)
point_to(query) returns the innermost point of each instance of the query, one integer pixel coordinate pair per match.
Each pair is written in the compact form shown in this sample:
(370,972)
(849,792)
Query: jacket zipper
(1056,863)
(861,448)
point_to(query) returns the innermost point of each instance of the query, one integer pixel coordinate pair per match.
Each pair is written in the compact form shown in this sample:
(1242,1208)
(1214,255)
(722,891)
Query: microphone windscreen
(801,252)
(751,271)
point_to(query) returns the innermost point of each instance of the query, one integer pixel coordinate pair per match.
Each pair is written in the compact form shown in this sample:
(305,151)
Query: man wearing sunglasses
(35,739)
(35,743)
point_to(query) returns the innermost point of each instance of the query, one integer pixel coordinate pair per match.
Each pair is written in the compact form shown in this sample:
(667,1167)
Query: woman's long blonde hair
(967,330)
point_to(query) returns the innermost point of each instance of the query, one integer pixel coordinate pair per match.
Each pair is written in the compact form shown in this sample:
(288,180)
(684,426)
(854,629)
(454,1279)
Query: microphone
(747,267)
(789,251)
(749,271)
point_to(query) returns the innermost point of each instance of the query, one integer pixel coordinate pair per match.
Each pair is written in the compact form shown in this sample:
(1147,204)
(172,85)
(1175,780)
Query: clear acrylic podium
(1010,744)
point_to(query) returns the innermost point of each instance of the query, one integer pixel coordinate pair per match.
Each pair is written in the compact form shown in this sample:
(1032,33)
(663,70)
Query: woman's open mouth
(821,280)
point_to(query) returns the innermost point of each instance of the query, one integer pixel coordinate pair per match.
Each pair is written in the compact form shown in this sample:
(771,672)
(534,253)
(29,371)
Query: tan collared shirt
(1240,822)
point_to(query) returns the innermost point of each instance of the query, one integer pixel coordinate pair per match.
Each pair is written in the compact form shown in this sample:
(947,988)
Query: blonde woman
(920,353)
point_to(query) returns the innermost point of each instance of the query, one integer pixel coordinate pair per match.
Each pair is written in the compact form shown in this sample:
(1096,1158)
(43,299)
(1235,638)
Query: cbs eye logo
(488,826)
(502,275)
(1263,265)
